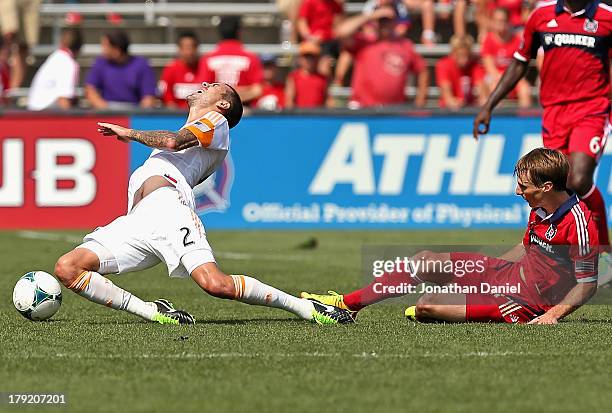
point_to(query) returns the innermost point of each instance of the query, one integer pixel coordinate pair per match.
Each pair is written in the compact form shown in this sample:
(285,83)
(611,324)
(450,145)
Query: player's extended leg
(581,181)
(387,285)
(78,271)
(252,291)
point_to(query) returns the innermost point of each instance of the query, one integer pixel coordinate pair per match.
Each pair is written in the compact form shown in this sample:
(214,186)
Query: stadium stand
(153,26)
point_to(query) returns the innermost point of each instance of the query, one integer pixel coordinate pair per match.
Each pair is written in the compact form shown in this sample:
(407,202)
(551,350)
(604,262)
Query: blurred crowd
(370,52)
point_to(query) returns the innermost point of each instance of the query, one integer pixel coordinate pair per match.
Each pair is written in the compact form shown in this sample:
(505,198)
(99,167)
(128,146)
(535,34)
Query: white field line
(228,255)
(204,356)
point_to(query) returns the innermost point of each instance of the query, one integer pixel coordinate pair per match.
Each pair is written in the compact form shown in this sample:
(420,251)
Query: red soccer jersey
(462,80)
(177,81)
(319,15)
(230,63)
(310,89)
(381,70)
(576,66)
(501,51)
(561,250)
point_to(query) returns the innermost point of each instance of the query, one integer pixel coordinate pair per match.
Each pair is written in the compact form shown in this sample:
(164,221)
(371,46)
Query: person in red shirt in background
(231,63)
(383,62)
(306,88)
(459,75)
(497,50)
(316,22)
(273,95)
(178,79)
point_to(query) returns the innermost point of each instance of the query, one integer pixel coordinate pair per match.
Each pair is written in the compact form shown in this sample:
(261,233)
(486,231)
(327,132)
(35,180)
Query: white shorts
(159,228)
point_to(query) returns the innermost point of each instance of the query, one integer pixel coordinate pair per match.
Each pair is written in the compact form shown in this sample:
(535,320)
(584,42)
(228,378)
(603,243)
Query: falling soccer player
(161,225)
(576,36)
(551,273)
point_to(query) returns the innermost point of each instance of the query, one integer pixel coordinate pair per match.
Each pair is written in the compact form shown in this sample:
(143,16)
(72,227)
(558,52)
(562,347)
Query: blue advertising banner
(366,172)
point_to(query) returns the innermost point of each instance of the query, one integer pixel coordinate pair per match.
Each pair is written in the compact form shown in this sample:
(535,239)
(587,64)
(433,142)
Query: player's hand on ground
(109,129)
(483,118)
(544,319)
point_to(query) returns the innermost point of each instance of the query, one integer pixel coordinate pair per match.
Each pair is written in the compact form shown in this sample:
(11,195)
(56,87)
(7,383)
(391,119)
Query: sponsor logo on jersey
(534,239)
(552,23)
(590,26)
(213,195)
(566,39)
(551,232)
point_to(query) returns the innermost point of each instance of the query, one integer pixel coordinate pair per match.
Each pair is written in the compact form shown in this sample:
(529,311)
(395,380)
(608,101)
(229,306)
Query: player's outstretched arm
(155,139)
(508,81)
(580,294)
(515,254)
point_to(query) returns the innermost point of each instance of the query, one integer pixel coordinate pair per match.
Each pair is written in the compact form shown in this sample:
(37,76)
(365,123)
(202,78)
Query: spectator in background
(273,95)
(54,85)
(383,62)
(231,63)
(306,87)
(497,52)
(118,80)
(317,20)
(178,79)
(20,24)
(459,76)
(290,9)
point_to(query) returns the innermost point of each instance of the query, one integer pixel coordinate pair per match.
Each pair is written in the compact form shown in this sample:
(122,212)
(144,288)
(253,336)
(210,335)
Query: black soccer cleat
(328,314)
(166,314)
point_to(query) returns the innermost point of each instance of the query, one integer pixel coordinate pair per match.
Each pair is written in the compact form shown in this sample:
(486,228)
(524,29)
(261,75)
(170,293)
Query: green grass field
(242,358)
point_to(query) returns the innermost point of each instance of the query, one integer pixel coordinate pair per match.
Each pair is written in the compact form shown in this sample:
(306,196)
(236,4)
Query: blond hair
(543,165)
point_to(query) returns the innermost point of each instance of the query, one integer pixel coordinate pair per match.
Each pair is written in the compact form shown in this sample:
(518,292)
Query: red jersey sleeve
(584,250)
(530,42)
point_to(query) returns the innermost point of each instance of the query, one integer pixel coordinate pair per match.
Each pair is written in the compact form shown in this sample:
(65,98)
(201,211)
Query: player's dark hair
(72,38)
(118,39)
(234,113)
(543,165)
(187,34)
(229,27)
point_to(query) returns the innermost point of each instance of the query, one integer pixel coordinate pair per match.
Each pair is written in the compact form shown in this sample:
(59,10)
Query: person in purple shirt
(119,80)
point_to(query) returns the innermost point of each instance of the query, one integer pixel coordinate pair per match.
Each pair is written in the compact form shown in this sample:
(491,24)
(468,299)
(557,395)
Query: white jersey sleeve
(211,130)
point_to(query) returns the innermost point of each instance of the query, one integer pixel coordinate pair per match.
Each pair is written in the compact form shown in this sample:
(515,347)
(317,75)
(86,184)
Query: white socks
(252,291)
(101,290)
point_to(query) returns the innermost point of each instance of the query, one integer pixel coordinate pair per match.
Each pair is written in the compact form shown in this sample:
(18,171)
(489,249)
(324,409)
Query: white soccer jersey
(189,167)
(56,78)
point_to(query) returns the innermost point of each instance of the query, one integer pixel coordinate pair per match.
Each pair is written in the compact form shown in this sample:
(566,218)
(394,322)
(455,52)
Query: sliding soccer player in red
(575,86)
(551,273)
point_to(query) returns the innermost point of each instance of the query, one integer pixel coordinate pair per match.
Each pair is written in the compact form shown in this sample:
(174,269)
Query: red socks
(595,202)
(389,285)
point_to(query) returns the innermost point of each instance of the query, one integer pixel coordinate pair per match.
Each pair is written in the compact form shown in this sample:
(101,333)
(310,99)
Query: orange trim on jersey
(205,138)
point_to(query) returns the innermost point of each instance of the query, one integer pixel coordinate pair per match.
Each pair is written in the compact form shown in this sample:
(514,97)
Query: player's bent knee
(66,269)
(214,281)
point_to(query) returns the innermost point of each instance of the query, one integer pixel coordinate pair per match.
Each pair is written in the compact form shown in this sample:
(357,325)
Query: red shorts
(577,127)
(497,308)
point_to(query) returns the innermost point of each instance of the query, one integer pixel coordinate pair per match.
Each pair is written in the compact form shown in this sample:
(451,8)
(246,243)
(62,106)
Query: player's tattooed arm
(165,139)
(155,139)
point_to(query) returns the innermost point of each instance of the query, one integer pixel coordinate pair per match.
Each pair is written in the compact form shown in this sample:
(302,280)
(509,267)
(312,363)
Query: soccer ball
(37,296)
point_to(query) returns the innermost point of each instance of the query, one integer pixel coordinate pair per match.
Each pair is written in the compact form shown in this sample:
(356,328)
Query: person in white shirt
(161,225)
(54,85)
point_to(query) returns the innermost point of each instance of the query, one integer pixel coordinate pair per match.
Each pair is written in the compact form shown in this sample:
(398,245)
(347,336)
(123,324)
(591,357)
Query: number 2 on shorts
(187,232)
